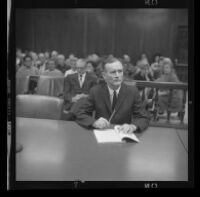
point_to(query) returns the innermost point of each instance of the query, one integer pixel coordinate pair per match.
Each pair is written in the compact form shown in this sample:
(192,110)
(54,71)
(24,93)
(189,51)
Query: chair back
(39,106)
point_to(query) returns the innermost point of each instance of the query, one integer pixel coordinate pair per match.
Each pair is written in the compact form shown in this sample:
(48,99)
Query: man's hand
(101,123)
(76,98)
(83,95)
(127,128)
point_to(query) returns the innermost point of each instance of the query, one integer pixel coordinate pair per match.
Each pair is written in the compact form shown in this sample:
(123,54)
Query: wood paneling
(105,31)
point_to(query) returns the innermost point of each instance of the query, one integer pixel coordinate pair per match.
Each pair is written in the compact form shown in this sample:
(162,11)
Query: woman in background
(155,66)
(169,75)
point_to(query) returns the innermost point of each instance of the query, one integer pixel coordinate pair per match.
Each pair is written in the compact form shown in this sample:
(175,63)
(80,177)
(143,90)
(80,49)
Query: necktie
(114,100)
(80,80)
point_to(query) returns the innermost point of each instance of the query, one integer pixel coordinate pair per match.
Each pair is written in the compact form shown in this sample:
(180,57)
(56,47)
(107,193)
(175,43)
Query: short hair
(27,56)
(91,62)
(61,56)
(110,60)
(82,60)
(168,61)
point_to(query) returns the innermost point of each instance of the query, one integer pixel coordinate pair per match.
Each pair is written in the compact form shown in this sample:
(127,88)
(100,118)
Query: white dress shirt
(81,81)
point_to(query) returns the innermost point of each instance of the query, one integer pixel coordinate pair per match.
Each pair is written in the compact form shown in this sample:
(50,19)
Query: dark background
(104,31)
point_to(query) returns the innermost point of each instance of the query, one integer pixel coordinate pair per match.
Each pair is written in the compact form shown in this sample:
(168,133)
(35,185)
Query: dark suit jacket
(129,108)
(72,87)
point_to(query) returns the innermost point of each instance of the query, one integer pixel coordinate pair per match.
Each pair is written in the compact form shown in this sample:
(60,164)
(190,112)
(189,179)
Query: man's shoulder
(91,76)
(71,76)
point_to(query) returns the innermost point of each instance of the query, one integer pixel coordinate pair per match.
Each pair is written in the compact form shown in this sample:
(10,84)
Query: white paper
(112,135)
(107,135)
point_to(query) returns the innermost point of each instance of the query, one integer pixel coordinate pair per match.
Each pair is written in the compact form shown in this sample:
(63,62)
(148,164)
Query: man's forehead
(114,65)
(80,63)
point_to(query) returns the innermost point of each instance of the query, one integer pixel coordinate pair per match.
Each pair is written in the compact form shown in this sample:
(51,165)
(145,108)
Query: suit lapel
(86,78)
(76,79)
(106,97)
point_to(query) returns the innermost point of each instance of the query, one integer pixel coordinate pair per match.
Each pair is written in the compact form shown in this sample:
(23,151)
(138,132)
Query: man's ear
(103,75)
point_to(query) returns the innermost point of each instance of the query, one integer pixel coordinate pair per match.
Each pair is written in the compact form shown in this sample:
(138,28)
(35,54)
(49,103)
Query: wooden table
(63,151)
(183,135)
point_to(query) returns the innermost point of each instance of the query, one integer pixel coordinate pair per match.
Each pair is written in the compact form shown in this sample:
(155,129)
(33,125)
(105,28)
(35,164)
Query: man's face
(51,65)
(41,58)
(73,64)
(113,74)
(81,67)
(61,61)
(28,62)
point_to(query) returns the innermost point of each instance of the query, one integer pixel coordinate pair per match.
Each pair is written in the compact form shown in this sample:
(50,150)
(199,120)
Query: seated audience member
(61,63)
(142,57)
(47,55)
(42,64)
(143,71)
(116,98)
(129,68)
(77,85)
(72,63)
(54,55)
(52,71)
(27,68)
(169,75)
(34,58)
(95,59)
(155,66)
(71,56)
(89,67)
(127,58)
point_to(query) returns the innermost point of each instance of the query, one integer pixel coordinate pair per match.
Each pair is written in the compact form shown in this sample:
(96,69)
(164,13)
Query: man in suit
(113,102)
(78,85)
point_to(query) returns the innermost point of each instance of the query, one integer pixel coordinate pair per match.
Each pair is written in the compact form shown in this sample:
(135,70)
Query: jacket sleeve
(84,115)
(141,117)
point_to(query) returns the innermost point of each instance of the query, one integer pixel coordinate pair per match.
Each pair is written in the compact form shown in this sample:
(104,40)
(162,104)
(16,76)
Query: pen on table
(111,116)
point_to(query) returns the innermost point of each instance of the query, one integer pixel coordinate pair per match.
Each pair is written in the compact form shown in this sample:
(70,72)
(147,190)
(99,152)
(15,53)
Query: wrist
(134,128)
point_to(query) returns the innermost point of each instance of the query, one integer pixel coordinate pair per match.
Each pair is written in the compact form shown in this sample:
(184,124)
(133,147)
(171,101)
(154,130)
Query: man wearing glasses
(77,86)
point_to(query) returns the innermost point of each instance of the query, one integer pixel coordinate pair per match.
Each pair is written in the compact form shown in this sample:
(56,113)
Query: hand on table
(101,123)
(127,128)
(78,96)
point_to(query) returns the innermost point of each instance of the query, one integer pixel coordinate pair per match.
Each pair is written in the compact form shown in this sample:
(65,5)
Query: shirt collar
(111,90)
(83,75)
